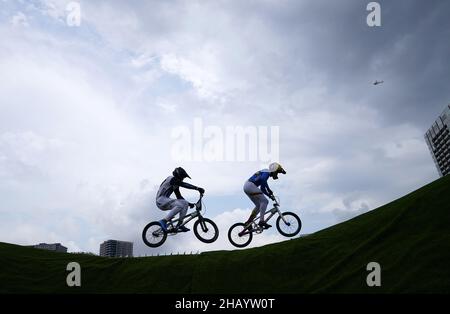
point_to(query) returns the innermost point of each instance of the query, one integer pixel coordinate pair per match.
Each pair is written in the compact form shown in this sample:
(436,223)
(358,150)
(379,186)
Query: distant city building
(438,141)
(115,248)
(57,247)
(84,253)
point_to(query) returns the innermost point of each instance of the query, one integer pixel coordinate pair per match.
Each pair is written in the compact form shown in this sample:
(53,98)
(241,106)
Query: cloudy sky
(87,113)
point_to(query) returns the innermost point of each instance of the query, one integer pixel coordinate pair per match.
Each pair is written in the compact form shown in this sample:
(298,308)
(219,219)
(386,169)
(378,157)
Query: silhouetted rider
(176,206)
(256,187)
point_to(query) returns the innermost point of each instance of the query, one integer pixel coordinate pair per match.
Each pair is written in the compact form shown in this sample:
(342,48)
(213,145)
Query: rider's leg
(164,203)
(263,202)
(252,215)
(253,192)
(185,205)
(178,206)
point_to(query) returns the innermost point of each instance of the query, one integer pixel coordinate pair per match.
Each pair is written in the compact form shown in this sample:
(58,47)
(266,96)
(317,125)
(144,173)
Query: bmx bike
(205,229)
(287,223)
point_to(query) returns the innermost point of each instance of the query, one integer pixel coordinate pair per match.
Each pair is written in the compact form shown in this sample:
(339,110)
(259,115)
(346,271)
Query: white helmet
(276,168)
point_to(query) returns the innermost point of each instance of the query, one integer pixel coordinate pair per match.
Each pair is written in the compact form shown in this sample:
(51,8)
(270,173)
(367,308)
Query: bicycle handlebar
(198,204)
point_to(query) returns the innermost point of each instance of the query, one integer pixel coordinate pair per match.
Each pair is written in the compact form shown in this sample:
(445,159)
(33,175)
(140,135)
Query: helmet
(180,173)
(276,168)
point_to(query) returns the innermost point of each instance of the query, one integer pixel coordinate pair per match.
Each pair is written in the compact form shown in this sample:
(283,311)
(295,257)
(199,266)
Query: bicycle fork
(282,217)
(203,224)
(275,210)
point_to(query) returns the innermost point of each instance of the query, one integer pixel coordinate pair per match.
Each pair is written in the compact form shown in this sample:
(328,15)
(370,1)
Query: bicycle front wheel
(153,235)
(239,236)
(289,225)
(206,230)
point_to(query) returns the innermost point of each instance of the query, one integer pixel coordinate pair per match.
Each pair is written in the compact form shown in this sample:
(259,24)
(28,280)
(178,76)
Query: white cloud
(142,60)
(202,76)
(20,19)
(167,107)
(60,133)
(55,9)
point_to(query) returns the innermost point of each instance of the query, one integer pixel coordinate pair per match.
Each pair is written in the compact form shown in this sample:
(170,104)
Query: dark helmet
(180,173)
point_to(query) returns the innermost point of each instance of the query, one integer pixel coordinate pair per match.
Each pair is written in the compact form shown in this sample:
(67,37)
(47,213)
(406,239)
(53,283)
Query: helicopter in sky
(378,82)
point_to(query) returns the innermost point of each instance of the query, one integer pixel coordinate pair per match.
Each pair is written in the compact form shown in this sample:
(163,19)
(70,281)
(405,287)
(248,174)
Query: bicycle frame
(273,211)
(190,216)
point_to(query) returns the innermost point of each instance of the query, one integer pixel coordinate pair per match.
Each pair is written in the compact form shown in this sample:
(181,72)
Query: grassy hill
(409,238)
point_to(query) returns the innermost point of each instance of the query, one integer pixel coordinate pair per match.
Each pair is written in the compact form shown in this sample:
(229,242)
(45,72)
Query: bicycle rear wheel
(292,225)
(238,236)
(153,235)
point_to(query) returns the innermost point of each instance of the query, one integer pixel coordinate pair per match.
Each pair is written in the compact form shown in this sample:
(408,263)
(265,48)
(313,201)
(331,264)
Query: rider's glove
(191,205)
(202,191)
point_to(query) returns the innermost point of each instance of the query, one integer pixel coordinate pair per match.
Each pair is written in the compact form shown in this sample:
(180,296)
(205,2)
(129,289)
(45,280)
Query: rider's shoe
(163,224)
(183,229)
(264,225)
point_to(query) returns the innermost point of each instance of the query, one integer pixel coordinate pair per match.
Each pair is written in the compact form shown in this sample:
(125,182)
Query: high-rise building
(115,248)
(438,141)
(51,247)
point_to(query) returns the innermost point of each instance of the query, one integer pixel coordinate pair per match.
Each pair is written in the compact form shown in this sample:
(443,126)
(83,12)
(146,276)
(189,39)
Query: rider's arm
(180,197)
(264,186)
(178,194)
(188,186)
(266,190)
(185,185)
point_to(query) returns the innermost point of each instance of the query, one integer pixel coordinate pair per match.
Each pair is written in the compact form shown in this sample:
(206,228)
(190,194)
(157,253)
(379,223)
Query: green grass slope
(409,238)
